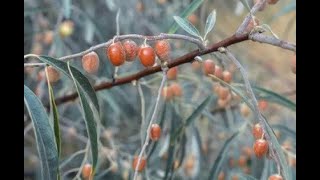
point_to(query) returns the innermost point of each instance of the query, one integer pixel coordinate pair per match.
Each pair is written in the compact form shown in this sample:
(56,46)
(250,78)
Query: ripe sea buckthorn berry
(208,67)
(245,110)
(262,7)
(86,171)
(247,151)
(172,73)
(257,131)
(242,161)
(66,28)
(222,103)
(193,19)
(221,176)
(131,49)
(162,49)
(260,147)
(218,72)
(37,48)
(263,105)
(155,132)
(116,54)
(141,165)
(235,177)
(48,37)
(293,64)
(147,55)
(231,162)
(53,74)
(275,177)
(90,62)
(227,76)
(223,93)
(176,89)
(167,93)
(272,1)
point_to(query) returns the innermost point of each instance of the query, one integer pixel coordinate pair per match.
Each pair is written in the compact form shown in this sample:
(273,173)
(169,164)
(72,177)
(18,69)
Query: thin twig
(154,115)
(253,99)
(143,111)
(273,41)
(246,21)
(136,36)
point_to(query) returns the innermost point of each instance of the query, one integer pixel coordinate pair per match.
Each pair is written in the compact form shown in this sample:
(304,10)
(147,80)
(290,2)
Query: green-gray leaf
(67,8)
(190,9)
(218,162)
(85,86)
(187,26)
(44,136)
(210,22)
(55,114)
(90,115)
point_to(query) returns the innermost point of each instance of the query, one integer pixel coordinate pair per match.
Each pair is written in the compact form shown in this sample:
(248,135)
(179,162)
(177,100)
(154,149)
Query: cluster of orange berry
(155,133)
(261,146)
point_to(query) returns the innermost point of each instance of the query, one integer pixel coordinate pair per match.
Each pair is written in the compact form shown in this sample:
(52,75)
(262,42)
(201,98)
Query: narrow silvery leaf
(187,26)
(246,4)
(211,20)
(67,8)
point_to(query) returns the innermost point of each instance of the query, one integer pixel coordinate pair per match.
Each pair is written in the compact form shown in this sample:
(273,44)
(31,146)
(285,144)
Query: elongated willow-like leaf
(210,22)
(46,146)
(85,86)
(187,26)
(90,115)
(190,9)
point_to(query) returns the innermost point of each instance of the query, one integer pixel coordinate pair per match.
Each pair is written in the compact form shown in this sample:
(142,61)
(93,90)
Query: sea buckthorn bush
(160,89)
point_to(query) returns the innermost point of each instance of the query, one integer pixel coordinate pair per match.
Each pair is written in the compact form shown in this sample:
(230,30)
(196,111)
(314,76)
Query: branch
(136,36)
(154,115)
(246,21)
(189,57)
(272,40)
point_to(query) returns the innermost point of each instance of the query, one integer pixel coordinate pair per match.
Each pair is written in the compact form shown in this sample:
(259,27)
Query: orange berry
(262,7)
(208,67)
(293,64)
(141,165)
(223,93)
(90,62)
(272,1)
(260,147)
(218,72)
(193,19)
(263,105)
(275,177)
(221,176)
(242,161)
(131,49)
(155,132)
(53,74)
(222,103)
(167,93)
(245,110)
(162,49)
(66,28)
(36,48)
(116,54)
(257,131)
(247,151)
(235,177)
(147,56)
(162,1)
(176,164)
(231,162)
(86,171)
(48,37)
(195,65)
(176,89)
(139,6)
(227,76)
(172,73)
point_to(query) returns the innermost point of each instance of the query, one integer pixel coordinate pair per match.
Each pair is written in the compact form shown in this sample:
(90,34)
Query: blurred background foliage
(193,155)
